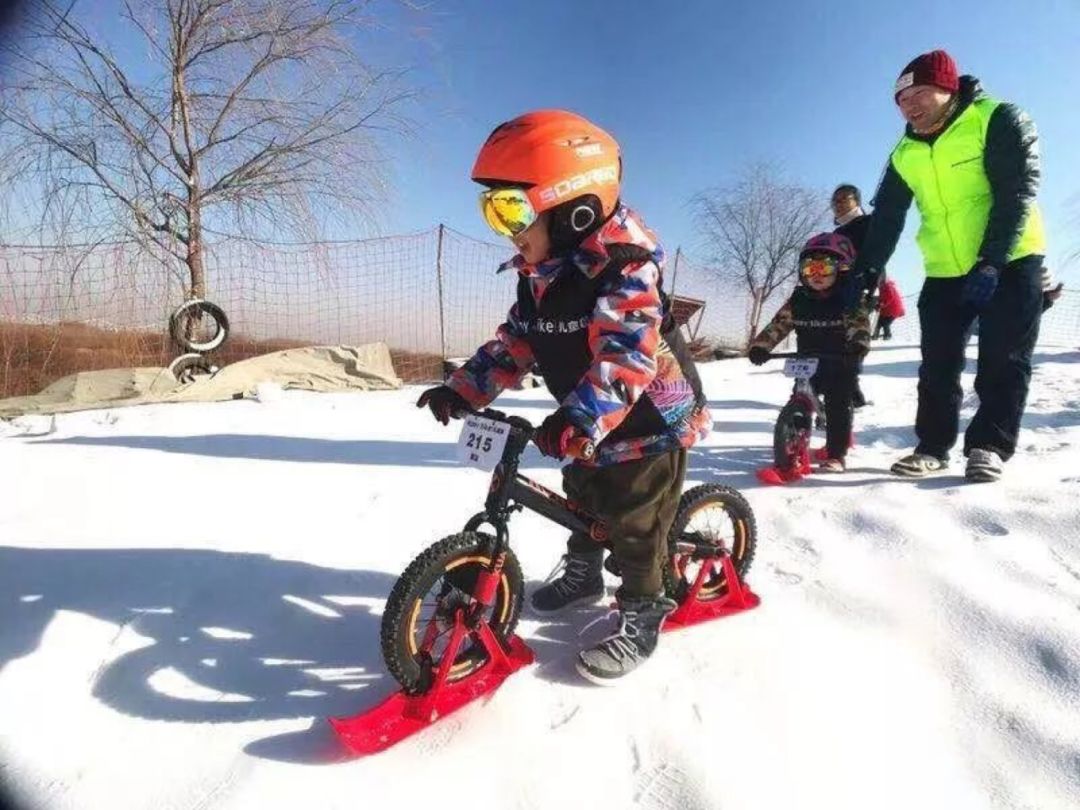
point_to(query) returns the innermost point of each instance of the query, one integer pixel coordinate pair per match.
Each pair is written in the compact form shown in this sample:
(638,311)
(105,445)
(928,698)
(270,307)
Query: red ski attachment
(774,476)
(738,598)
(401,715)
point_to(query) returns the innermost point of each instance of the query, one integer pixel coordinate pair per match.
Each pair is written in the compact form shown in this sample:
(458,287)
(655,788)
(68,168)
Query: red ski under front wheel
(437,585)
(709,515)
(791,435)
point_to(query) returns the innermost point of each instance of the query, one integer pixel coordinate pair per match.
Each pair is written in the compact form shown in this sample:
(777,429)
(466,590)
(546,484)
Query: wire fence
(1060,325)
(429,296)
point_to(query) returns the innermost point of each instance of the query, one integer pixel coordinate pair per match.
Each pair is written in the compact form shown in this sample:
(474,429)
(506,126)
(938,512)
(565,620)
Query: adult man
(971,164)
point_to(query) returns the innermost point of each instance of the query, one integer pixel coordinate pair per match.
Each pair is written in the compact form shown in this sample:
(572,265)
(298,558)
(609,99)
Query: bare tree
(231,116)
(754,229)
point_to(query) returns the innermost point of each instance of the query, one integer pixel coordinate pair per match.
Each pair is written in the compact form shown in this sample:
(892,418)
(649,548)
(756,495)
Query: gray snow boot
(579,580)
(983,465)
(640,620)
(919,465)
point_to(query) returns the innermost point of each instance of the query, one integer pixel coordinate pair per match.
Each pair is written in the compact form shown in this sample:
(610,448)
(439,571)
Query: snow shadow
(259,447)
(878,346)
(1050,357)
(1066,417)
(902,369)
(221,636)
(744,427)
(734,466)
(557,639)
(742,404)
(284,448)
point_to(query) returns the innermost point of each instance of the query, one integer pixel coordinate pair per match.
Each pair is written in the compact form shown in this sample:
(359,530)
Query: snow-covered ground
(187,590)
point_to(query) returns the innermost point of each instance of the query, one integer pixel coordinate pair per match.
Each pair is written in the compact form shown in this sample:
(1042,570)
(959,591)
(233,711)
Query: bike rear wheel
(425,599)
(713,515)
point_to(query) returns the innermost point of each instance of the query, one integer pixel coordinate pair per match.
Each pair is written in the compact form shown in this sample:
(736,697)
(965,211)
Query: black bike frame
(511,491)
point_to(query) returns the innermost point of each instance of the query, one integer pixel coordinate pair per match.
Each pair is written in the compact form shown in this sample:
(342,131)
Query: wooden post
(442,306)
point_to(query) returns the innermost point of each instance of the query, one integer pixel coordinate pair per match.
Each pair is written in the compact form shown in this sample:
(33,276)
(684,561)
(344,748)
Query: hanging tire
(719,516)
(187,323)
(189,367)
(791,435)
(433,587)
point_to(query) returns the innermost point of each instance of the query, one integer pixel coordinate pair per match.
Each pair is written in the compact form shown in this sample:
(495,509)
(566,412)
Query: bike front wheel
(791,436)
(709,515)
(419,617)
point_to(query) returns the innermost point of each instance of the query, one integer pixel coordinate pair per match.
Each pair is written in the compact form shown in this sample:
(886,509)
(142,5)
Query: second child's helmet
(832,244)
(564,163)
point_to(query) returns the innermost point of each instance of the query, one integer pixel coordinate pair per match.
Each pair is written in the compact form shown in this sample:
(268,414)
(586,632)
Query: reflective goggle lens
(818,267)
(507,211)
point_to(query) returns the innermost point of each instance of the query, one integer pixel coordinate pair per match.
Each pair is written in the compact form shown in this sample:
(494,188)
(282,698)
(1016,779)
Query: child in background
(841,339)
(890,308)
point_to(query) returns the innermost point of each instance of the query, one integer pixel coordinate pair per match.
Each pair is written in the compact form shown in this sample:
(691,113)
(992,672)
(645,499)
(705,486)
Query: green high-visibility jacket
(974,183)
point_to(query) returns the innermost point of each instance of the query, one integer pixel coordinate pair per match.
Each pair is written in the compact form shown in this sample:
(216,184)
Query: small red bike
(448,631)
(796,422)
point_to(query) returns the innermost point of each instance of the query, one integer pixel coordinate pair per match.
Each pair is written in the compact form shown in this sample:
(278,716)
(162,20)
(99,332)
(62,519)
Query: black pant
(836,382)
(1008,329)
(884,325)
(638,499)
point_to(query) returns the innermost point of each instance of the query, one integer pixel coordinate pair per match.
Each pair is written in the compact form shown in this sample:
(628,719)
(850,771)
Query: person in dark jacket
(592,316)
(824,327)
(848,215)
(971,165)
(853,222)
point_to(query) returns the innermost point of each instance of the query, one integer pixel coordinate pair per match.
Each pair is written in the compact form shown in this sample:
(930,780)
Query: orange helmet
(556,157)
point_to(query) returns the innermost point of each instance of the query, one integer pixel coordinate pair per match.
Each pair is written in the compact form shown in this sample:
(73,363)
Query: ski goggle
(507,211)
(819,267)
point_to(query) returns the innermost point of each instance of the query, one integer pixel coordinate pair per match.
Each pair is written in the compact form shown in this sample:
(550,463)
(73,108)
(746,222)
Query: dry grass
(33,356)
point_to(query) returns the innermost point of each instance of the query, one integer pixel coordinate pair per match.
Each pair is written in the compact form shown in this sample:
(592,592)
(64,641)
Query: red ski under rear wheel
(717,515)
(420,612)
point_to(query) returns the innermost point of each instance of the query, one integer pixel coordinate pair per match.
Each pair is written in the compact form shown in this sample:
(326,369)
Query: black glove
(554,434)
(758,355)
(445,403)
(979,285)
(856,285)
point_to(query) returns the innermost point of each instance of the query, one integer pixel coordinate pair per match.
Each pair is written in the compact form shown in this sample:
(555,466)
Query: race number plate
(481,442)
(801,368)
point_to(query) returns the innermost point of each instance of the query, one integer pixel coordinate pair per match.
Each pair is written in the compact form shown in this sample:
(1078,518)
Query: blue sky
(696,90)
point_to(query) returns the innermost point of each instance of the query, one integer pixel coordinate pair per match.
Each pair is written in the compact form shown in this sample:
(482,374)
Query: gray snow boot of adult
(640,620)
(983,465)
(576,580)
(919,465)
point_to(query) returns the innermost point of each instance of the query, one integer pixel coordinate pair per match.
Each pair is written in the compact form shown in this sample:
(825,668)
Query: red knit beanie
(936,68)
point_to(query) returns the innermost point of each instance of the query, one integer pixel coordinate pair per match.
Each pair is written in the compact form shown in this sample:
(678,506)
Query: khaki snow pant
(638,499)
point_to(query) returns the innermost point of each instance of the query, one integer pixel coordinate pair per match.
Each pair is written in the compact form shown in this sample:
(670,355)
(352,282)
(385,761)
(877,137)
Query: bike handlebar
(580,447)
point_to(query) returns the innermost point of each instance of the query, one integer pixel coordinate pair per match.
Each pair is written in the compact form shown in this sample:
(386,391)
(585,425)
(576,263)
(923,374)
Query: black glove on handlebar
(758,355)
(445,403)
